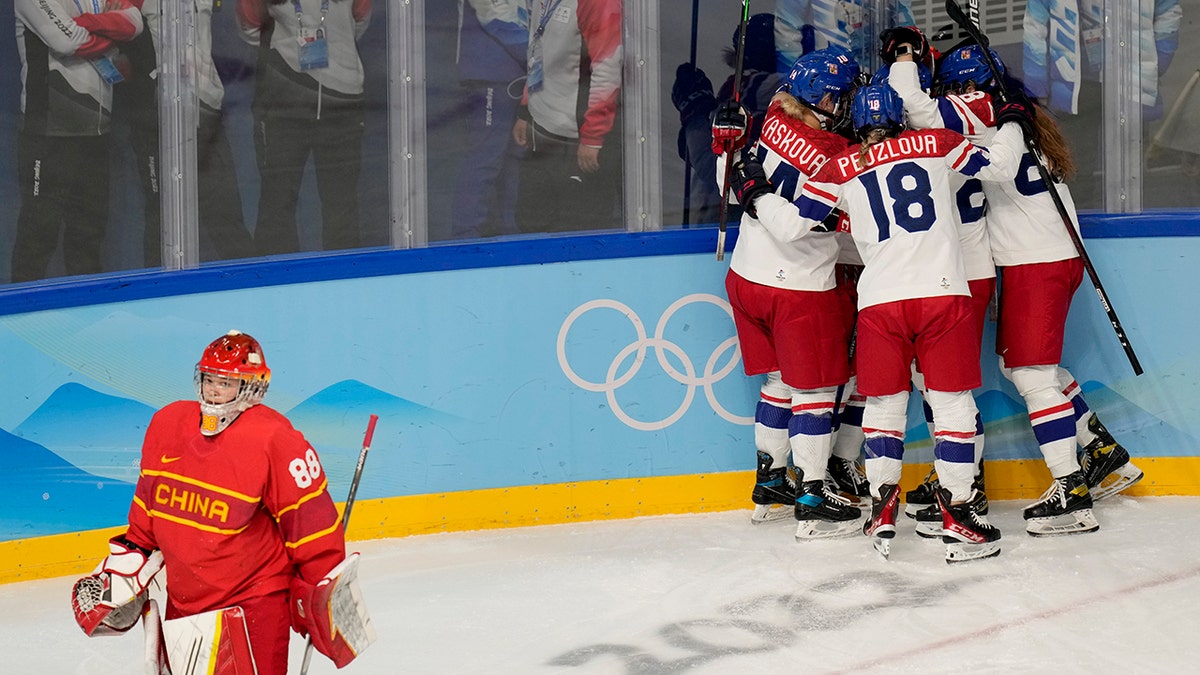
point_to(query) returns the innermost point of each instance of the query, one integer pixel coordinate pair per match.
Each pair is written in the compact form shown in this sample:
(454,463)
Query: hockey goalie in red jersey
(234,503)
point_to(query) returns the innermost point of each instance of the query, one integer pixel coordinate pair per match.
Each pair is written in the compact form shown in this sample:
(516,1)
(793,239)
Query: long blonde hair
(792,107)
(1053,145)
(873,137)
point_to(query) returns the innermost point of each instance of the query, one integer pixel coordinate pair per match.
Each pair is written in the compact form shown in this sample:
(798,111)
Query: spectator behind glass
(223,233)
(804,25)
(569,180)
(493,40)
(308,102)
(693,97)
(67,78)
(1063,56)
(135,103)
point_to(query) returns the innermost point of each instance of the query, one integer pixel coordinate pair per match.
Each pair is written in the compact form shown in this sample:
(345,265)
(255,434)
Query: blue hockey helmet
(877,106)
(924,76)
(831,70)
(967,64)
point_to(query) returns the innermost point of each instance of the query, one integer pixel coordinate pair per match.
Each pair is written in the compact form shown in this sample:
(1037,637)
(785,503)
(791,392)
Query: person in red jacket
(234,502)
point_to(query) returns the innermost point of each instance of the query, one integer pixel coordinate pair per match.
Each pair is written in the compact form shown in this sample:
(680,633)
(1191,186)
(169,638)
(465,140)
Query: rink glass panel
(414,153)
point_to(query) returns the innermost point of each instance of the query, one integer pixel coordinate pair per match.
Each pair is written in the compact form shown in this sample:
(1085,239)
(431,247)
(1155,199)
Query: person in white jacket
(68,70)
(308,104)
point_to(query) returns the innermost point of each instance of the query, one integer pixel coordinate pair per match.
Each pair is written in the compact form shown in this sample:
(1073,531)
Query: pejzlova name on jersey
(904,147)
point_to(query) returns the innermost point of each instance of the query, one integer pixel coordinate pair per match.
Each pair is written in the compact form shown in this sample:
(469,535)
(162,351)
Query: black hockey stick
(958,16)
(723,209)
(358,469)
(687,160)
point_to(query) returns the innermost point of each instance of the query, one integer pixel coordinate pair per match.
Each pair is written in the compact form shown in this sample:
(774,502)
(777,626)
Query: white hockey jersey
(1023,224)
(901,207)
(787,255)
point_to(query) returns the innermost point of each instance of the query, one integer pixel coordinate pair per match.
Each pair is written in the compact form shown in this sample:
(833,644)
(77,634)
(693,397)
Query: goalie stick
(958,16)
(358,469)
(723,208)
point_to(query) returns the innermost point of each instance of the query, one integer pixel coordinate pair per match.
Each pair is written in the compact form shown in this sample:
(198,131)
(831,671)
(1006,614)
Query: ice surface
(714,594)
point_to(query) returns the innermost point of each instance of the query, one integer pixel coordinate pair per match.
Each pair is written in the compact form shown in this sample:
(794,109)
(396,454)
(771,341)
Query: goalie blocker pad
(210,643)
(333,613)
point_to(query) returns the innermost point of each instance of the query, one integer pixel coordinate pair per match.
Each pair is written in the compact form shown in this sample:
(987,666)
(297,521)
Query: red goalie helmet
(231,376)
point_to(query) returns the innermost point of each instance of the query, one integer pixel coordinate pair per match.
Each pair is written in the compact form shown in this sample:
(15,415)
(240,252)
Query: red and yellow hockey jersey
(235,515)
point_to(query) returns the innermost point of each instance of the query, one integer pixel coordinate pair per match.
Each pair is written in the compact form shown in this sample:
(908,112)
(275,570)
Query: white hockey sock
(771,420)
(848,436)
(954,416)
(883,425)
(811,431)
(1051,414)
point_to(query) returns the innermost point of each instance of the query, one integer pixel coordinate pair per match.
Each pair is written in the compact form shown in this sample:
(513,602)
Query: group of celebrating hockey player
(879,214)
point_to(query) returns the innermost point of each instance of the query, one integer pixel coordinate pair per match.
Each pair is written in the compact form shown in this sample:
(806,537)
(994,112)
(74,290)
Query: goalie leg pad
(155,645)
(333,613)
(210,643)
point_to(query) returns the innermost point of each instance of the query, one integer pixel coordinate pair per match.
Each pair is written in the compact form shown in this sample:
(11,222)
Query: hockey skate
(1065,508)
(924,495)
(1106,465)
(929,518)
(849,480)
(774,492)
(881,526)
(966,532)
(823,514)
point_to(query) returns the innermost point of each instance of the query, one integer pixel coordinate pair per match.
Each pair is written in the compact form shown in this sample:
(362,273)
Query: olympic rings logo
(613,380)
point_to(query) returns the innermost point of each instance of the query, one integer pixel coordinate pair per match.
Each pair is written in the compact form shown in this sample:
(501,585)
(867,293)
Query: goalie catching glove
(333,614)
(110,599)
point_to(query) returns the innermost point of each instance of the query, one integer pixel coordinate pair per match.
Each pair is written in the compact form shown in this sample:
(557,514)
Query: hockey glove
(113,594)
(749,182)
(692,93)
(730,128)
(1017,109)
(904,40)
(332,613)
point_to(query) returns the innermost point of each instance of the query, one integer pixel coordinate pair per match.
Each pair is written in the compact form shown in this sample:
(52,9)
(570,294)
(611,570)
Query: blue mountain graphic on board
(96,432)
(345,407)
(1010,436)
(45,494)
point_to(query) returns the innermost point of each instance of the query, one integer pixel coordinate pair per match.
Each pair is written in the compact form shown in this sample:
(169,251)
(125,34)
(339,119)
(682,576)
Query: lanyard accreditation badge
(104,66)
(314,49)
(536,77)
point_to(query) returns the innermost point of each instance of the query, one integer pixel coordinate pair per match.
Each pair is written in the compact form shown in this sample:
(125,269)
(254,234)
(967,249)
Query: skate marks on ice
(765,623)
